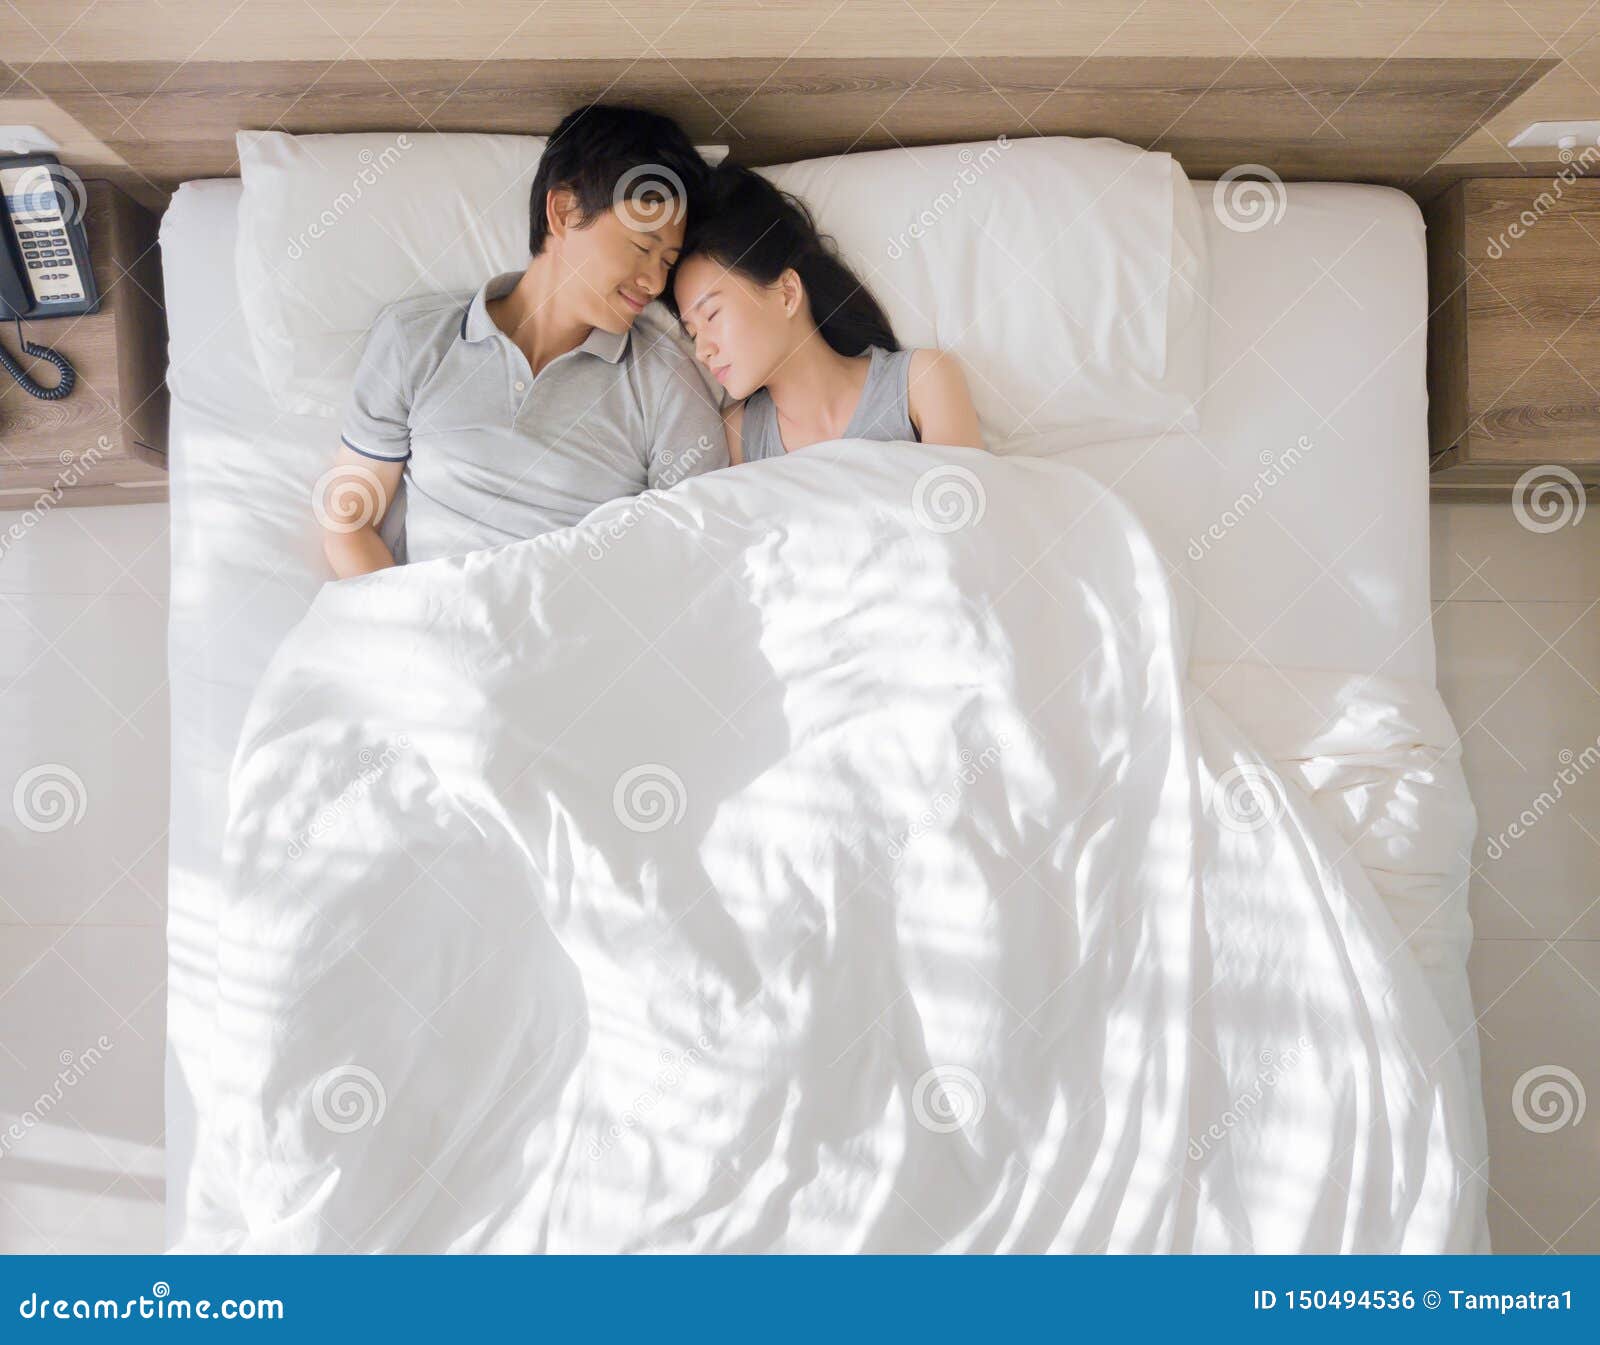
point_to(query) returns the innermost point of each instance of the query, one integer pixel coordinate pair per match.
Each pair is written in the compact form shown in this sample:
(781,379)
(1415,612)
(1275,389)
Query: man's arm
(353,497)
(355,493)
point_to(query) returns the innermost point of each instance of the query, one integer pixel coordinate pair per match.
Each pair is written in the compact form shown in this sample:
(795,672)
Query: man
(524,408)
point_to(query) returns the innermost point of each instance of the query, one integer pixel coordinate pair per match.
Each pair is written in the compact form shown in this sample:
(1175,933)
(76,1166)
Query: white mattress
(1317,334)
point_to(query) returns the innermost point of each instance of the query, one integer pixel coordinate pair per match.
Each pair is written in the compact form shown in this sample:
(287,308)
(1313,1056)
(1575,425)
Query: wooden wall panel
(1359,119)
(679,30)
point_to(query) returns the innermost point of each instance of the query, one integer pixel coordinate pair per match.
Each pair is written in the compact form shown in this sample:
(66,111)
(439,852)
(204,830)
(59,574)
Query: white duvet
(826,855)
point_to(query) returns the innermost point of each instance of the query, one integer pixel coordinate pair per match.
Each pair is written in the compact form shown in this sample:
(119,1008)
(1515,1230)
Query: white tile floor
(83,858)
(82,967)
(1517,621)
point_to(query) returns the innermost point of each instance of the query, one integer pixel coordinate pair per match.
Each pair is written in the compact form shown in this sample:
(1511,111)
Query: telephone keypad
(48,259)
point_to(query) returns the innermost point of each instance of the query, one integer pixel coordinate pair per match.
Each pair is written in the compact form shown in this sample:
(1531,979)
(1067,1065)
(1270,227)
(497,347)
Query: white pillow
(333,228)
(1068,275)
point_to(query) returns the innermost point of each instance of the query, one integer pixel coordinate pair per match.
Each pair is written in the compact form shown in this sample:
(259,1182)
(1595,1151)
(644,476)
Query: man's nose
(654,278)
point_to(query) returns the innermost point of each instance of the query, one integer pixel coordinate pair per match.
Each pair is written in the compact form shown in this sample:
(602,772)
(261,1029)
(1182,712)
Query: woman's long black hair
(748,225)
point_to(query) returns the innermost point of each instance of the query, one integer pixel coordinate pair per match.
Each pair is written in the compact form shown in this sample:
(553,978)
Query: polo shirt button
(521,387)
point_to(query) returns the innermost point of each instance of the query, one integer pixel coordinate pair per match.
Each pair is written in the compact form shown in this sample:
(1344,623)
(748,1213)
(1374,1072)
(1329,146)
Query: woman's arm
(941,406)
(351,501)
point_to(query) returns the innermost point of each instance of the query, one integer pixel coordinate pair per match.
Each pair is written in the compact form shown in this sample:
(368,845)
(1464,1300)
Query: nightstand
(106,442)
(1514,336)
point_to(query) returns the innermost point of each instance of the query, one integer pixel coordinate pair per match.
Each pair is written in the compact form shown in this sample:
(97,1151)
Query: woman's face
(741,329)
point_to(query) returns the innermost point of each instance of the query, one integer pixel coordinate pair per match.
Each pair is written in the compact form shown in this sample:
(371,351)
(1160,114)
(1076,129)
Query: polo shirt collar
(477,325)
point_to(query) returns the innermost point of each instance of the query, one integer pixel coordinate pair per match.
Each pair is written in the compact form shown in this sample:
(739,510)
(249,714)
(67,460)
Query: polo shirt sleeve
(687,436)
(377,416)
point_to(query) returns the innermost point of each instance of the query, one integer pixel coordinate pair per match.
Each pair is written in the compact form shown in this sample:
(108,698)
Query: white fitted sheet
(1318,330)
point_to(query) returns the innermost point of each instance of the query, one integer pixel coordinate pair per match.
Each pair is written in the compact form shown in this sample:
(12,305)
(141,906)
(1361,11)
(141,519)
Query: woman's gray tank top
(883,413)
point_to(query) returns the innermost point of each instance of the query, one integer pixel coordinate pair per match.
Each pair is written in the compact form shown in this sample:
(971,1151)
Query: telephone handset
(44,260)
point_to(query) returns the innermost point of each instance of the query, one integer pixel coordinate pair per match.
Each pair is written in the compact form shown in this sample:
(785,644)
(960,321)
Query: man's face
(618,262)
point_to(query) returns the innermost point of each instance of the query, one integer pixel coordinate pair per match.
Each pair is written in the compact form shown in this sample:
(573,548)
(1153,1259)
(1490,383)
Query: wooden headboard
(1357,119)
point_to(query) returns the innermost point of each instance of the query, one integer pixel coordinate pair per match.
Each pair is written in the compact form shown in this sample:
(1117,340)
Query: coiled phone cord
(64,385)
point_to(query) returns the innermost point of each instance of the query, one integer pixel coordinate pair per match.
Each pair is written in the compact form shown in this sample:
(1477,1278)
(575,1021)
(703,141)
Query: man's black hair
(602,153)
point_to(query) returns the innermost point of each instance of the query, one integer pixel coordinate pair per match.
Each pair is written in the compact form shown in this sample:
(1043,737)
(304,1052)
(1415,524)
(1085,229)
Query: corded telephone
(44,260)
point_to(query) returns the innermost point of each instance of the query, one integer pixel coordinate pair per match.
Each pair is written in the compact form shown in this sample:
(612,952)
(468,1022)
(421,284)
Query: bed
(1300,504)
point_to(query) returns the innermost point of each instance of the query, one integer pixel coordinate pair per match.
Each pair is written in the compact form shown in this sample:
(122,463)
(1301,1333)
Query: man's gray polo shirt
(494,454)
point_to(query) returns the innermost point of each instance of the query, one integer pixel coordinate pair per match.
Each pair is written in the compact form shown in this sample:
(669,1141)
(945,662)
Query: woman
(789,332)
